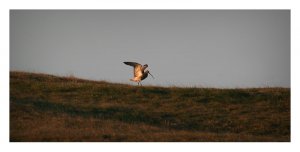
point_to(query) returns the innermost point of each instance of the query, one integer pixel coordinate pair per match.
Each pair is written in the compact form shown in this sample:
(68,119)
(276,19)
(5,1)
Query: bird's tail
(135,80)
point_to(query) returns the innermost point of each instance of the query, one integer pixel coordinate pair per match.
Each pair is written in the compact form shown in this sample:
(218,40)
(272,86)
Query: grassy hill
(49,108)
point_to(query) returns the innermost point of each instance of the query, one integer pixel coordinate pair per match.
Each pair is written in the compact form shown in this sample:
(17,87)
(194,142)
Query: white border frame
(6,5)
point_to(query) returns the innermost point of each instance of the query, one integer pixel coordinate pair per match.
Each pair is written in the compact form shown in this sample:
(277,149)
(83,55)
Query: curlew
(139,72)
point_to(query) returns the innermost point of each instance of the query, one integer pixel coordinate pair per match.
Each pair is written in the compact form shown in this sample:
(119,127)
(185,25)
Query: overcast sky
(203,48)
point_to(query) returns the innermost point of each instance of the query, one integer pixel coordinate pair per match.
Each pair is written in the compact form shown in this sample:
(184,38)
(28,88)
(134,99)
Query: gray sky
(204,48)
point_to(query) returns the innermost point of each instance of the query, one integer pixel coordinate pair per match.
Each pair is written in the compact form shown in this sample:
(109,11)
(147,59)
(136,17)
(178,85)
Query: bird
(139,72)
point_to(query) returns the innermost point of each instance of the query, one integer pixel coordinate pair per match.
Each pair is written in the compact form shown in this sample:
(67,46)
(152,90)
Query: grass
(50,108)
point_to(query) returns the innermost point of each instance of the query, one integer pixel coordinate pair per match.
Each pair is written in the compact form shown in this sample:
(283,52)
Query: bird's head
(146,65)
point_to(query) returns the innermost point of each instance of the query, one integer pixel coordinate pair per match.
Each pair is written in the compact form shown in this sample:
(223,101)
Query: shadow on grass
(125,114)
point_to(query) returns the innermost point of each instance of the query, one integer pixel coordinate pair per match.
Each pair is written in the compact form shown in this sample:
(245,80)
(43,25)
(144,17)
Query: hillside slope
(50,108)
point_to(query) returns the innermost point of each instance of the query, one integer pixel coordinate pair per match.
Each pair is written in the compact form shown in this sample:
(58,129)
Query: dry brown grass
(49,108)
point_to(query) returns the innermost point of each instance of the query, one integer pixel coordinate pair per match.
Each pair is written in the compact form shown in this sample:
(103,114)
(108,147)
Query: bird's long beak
(151,75)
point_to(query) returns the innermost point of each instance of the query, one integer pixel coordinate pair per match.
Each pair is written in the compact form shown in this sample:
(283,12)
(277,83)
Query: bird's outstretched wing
(132,64)
(137,71)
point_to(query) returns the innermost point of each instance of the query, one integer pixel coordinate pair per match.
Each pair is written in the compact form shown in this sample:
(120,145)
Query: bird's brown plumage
(139,72)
